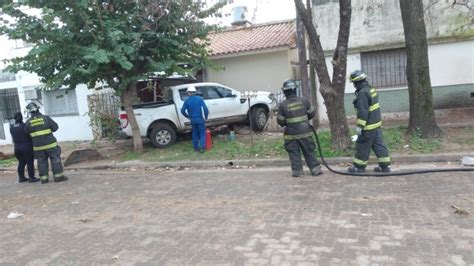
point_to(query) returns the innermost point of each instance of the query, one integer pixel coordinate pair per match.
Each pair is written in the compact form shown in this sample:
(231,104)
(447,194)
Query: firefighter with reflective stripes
(294,115)
(369,122)
(40,128)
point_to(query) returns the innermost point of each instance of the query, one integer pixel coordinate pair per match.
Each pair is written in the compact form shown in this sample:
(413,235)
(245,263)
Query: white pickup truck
(161,121)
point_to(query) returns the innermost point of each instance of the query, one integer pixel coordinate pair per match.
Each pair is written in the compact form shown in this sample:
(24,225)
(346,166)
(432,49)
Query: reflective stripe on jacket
(40,128)
(294,114)
(367,105)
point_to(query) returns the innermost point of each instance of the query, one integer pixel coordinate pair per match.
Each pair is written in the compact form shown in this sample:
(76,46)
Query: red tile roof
(253,38)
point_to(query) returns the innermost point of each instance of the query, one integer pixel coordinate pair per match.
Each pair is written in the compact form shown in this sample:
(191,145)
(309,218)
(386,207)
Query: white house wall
(71,128)
(264,71)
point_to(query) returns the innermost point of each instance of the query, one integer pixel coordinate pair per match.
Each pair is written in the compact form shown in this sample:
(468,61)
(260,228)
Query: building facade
(67,107)
(377,46)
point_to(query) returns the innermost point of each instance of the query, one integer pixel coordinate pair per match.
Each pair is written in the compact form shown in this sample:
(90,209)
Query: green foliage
(116,42)
(8,162)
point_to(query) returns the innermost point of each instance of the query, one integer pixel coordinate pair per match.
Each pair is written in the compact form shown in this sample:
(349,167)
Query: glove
(359,131)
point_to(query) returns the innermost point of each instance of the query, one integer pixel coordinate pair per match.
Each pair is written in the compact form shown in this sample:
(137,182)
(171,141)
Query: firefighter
(40,128)
(294,115)
(369,122)
(23,150)
(195,109)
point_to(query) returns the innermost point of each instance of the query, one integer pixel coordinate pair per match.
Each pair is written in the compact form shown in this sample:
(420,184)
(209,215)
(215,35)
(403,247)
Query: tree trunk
(127,97)
(422,117)
(332,92)
(314,96)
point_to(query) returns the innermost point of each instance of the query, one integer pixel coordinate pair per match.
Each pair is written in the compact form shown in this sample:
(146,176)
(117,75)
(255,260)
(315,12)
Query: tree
(422,117)
(107,41)
(333,89)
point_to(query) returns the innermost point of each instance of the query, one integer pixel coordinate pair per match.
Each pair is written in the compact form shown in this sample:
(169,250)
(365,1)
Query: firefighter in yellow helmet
(369,122)
(41,127)
(294,115)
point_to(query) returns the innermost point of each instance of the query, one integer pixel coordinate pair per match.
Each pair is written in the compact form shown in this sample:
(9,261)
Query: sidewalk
(454,158)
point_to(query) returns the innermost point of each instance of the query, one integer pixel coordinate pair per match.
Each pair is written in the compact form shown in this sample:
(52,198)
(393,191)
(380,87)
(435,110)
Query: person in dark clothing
(40,128)
(23,150)
(195,109)
(294,115)
(369,123)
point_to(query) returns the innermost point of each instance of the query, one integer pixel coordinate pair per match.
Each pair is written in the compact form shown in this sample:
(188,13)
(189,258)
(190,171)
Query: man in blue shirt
(193,109)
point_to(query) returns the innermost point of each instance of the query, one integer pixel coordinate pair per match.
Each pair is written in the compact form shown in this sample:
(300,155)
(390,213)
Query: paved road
(236,217)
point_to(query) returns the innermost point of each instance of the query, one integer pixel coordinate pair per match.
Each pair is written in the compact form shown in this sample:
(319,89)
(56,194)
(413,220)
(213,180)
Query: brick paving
(237,217)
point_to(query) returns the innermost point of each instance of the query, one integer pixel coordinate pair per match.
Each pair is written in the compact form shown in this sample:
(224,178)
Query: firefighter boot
(355,169)
(316,171)
(33,179)
(44,179)
(297,173)
(383,169)
(60,178)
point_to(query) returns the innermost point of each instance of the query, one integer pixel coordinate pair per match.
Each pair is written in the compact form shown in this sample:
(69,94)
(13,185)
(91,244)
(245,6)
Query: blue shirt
(193,109)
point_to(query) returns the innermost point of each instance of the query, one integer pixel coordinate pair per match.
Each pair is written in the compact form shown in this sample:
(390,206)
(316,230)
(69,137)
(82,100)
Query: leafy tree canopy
(112,41)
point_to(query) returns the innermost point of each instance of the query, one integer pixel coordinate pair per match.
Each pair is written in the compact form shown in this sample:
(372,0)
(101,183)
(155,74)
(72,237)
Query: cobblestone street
(236,217)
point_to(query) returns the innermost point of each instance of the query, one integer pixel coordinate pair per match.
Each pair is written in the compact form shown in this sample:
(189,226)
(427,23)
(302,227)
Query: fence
(104,108)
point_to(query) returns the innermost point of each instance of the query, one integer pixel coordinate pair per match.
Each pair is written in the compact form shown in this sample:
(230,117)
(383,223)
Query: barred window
(9,103)
(386,68)
(60,102)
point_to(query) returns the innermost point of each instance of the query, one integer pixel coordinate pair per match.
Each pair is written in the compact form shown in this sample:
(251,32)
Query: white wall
(451,63)
(71,128)
(264,71)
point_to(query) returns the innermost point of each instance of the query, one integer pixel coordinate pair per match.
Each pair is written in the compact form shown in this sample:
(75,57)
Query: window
(224,92)
(211,93)
(9,103)
(60,102)
(385,68)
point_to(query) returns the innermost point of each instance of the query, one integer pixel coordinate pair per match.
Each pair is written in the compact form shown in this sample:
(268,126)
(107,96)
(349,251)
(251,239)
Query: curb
(277,162)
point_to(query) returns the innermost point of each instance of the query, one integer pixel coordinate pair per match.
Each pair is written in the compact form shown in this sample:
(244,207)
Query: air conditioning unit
(31,95)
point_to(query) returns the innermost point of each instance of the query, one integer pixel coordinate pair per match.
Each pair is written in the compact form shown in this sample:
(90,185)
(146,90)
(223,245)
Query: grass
(8,162)
(271,146)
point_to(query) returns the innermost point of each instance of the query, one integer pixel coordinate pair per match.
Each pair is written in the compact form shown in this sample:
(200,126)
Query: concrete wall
(379,22)
(262,71)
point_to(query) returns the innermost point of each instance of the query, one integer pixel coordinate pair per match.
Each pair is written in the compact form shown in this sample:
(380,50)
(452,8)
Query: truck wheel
(162,136)
(259,118)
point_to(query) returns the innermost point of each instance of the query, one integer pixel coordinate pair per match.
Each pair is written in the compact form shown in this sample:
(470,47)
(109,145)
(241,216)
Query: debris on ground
(85,220)
(14,215)
(467,161)
(459,210)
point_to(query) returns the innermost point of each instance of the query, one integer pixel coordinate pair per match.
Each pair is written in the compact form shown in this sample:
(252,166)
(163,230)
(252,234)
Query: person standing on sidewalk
(195,109)
(23,148)
(45,146)
(294,115)
(369,122)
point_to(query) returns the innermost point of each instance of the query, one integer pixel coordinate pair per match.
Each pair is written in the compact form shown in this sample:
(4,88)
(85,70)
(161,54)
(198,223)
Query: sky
(258,11)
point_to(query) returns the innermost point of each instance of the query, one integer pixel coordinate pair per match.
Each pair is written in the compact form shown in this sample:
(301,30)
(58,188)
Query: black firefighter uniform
(369,118)
(41,128)
(294,114)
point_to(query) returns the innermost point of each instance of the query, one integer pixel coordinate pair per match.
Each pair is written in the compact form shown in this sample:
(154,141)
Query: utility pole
(303,65)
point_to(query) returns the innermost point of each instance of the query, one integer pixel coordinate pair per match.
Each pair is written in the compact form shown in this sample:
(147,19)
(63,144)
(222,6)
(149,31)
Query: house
(376,46)
(254,57)
(67,107)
